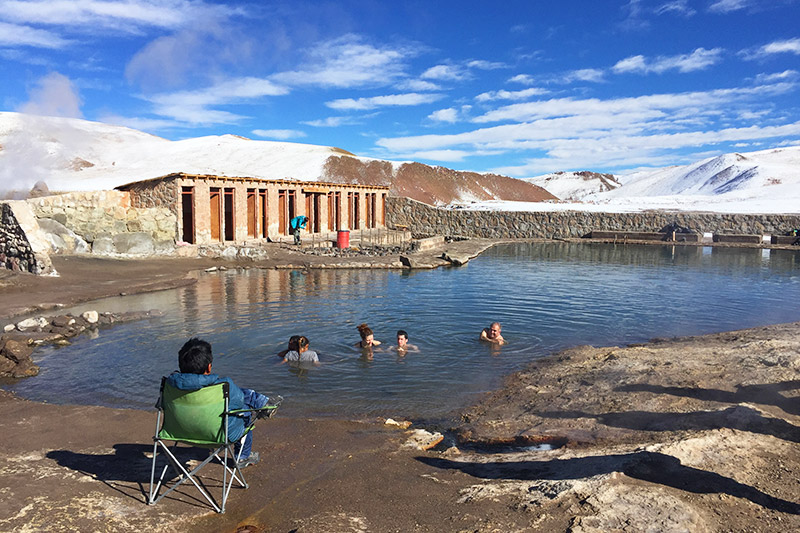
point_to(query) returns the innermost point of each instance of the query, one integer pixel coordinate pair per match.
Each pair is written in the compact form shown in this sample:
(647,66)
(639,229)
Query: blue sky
(516,87)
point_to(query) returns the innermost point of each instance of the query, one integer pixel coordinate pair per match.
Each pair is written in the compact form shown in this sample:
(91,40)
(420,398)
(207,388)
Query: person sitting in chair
(194,362)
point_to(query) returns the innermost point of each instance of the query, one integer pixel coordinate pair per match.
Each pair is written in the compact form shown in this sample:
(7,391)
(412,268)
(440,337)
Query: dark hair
(302,342)
(195,356)
(402,332)
(364,330)
(293,340)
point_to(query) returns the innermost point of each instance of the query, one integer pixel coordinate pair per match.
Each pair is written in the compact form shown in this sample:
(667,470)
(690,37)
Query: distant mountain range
(71,154)
(767,181)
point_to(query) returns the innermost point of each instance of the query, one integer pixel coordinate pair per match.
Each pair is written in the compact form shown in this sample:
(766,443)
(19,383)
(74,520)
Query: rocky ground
(694,434)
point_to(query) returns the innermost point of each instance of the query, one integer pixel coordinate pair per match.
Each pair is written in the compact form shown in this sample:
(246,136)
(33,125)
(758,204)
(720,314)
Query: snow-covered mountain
(75,155)
(767,181)
(71,154)
(575,186)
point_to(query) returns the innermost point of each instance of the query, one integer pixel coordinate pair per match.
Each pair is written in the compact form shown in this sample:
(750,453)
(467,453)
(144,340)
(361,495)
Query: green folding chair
(199,418)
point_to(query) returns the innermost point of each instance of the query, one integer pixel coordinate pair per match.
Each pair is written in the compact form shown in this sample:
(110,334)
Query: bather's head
(366,334)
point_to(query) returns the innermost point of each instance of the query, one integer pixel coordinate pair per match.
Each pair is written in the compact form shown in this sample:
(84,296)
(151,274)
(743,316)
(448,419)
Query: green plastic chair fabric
(198,418)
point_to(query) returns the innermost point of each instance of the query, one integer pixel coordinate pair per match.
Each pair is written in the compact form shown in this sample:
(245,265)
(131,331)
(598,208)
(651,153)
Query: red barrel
(343,238)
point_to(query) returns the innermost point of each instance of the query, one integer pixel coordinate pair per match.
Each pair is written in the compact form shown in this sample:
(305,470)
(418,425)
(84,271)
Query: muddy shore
(690,434)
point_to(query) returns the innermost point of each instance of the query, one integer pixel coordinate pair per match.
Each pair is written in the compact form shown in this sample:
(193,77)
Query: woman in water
(367,339)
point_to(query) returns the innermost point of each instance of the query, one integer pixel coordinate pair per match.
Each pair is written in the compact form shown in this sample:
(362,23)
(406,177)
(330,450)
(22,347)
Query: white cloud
(348,62)
(524,79)
(437,155)
(418,85)
(679,7)
(54,95)
(194,107)
(334,122)
(658,103)
(586,74)
(786,75)
(486,65)
(449,115)
(14,35)
(126,15)
(445,73)
(139,123)
(279,134)
(407,99)
(510,95)
(699,59)
(727,6)
(623,132)
(788,46)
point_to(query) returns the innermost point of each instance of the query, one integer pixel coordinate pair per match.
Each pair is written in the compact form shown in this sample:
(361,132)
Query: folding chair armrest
(260,412)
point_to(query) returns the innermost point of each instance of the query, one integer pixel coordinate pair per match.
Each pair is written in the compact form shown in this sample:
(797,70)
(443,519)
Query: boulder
(103,245)
(16,350)
(62,321)
(91,317)
(139,243)
(30,324)
(423,440)
(61,238)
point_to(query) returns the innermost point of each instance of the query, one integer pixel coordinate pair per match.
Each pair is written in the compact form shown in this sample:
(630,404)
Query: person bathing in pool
(367,338)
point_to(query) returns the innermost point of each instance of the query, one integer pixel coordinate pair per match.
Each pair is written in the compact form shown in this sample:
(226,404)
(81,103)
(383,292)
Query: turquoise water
(547,296)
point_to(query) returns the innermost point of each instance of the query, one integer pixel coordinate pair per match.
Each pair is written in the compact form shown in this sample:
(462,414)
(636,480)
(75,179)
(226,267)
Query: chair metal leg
(185,475)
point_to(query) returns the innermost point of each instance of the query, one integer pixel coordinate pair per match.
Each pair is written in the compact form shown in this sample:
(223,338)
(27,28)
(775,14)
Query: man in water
(296,224)
(492,334)
(403,347)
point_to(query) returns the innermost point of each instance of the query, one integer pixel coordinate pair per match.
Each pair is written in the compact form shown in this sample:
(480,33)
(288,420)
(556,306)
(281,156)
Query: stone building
(214,209)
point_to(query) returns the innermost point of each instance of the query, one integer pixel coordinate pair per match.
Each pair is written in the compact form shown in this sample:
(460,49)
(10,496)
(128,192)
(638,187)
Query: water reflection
(546,296)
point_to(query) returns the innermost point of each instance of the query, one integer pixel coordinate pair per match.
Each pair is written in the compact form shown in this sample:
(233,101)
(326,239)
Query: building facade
(213,209)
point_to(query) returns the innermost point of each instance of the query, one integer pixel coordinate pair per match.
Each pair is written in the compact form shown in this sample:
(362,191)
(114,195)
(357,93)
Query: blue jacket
(192,382)
(298,222)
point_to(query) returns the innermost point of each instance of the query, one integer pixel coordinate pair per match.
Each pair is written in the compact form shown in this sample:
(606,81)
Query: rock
(32,323)
(17,351)
(456,259)
(407,261)
(9,327)
(25,369)
(421,439)
(103,245)
(62,321)
(6,366)
(402,424)
(137,243)
(91,317)
(61,238)
(230,252)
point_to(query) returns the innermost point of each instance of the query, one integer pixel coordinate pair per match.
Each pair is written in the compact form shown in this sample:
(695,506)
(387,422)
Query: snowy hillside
(70,154)
(767,181)
(575,186)
(78,155)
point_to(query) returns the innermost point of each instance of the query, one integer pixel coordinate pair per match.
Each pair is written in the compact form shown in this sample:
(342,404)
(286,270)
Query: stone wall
(104,222)
(154,193)
(22,247)
(423,219)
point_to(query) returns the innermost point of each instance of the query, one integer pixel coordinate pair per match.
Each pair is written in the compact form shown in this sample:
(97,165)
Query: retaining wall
(22,246)
(423,219)
(104,222)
